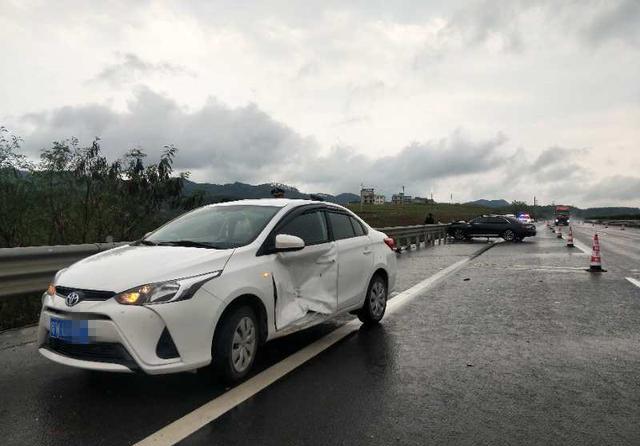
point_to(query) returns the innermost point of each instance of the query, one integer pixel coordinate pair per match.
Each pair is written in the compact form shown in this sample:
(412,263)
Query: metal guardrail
(625,223)
(414,235)
(30,269)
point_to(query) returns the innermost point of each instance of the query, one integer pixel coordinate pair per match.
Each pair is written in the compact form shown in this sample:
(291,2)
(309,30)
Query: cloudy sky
(479,99)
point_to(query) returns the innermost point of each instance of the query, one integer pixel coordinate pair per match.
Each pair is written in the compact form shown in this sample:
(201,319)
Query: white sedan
(214,284)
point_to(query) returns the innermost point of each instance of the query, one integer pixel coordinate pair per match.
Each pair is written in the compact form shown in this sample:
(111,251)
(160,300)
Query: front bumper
(130,338)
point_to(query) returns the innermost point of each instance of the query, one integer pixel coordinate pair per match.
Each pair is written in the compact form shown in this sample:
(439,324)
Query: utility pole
(361,196)
(402,198)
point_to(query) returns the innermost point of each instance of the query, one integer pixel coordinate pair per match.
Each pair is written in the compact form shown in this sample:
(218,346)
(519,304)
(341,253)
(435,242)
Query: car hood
(128,266)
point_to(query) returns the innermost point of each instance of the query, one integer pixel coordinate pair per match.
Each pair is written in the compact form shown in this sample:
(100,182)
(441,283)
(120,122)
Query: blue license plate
(69,330)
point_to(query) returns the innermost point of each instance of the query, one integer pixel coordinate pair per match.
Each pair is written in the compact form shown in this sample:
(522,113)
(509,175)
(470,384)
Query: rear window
(341,225)
(357,227)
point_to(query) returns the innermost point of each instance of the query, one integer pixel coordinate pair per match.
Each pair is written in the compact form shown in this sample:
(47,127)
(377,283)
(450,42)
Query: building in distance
(369,196)
(400,198)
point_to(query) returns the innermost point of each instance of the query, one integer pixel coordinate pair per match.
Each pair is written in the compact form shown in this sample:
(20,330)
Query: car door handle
(367,251)
(325,262)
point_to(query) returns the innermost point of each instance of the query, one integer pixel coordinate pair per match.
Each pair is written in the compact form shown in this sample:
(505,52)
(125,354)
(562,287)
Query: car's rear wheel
(235,344)
(375,303)
(459,234)
(509,235)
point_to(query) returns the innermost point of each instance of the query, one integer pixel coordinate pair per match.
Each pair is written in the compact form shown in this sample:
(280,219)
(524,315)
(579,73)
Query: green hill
(237,191)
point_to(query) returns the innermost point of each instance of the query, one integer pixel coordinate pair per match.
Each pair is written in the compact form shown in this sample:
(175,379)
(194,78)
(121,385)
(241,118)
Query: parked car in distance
(508,228)
(213,285)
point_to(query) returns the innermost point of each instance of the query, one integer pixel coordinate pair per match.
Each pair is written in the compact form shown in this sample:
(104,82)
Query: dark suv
(508,228)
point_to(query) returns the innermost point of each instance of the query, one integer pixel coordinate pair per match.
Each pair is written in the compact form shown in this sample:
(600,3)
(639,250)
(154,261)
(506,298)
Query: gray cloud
(619,21)
(557,164)
(618,187)
(418,165)
(132,68)
(230,144)
(221,144)
(485,19)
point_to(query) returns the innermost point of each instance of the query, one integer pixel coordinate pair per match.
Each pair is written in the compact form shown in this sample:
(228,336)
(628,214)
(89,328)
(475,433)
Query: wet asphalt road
(521,346)
(620,248)
(45,403)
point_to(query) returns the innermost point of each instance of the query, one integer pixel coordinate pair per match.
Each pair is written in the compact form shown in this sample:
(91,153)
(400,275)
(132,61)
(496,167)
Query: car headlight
(164,292)
(51,289)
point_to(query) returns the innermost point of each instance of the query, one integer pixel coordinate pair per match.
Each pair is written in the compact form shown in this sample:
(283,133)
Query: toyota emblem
(72,299)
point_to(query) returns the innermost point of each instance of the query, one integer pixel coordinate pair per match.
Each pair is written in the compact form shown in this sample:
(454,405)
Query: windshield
(219,227)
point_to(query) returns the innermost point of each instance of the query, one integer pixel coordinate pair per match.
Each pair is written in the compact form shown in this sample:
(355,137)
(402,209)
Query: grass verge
(379,216)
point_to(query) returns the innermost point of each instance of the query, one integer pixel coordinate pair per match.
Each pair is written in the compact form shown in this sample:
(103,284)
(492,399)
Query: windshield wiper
(187,243)
(146,242)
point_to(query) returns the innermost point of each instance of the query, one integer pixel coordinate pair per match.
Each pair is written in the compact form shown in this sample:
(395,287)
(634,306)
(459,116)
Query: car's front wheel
(459,234)
(235,344)
(375,303)
(509,235)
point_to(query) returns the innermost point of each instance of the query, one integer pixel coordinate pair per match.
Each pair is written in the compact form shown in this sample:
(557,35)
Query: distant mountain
(238,191)
(490,203)
(609,212)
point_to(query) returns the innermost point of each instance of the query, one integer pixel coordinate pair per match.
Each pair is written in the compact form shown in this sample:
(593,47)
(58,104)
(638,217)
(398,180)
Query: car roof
(278,202)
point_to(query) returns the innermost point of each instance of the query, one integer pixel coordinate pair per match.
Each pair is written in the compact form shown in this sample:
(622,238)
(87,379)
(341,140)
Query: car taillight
(391,243)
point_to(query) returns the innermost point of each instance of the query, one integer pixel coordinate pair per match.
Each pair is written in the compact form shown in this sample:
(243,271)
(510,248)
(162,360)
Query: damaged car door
(355,258)
(306,280)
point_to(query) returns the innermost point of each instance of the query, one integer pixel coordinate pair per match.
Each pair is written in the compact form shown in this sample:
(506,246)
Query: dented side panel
(306,284)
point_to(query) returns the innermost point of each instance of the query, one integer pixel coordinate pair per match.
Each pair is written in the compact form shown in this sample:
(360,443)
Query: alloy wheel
(377,299)
(244,344)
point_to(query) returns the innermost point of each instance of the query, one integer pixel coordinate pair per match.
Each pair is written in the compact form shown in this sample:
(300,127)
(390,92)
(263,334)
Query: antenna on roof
(316,197)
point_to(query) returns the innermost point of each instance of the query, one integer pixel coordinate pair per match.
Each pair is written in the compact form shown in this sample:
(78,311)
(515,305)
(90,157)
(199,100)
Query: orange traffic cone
(570,238)
(559,232)
(596,260)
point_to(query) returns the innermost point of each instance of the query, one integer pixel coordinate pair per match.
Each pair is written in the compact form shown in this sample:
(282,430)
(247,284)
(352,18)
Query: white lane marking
(581,246)
(200,417)
(636,282)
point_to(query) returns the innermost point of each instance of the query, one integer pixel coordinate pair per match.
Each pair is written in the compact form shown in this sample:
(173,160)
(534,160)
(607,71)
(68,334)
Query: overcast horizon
(477,99)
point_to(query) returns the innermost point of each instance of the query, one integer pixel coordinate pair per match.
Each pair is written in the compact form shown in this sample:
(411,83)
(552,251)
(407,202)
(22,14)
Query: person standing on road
(429,219)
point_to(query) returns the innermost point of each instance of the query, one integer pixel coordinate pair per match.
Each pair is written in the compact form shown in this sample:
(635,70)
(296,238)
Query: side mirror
(286,242)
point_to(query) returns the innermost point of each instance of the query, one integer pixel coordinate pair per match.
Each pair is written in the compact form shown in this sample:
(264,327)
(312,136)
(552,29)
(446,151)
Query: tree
(15,188)
(75,194)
